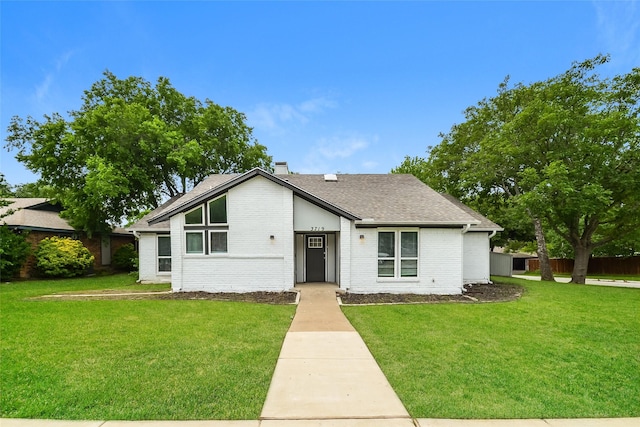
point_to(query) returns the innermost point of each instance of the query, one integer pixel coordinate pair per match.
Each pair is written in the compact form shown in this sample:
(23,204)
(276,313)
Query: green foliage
(128,144)
(565,151)
(62,257)
(34,189)
(136,359)
(125,258)
(14,250)
(5,187)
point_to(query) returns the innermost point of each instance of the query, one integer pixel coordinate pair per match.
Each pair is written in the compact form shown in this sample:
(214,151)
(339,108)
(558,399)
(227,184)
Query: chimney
(281,168)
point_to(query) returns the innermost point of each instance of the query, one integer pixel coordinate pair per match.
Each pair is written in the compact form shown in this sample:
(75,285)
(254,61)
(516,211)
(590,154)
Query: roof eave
(417,224)
(150,230)
(222,188)
(41,229)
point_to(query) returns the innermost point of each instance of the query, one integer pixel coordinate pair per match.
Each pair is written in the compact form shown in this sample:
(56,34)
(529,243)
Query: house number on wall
(317,228)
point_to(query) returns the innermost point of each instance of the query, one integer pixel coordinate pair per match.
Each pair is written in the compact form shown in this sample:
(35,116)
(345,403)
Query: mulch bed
(259,297)
(473,294)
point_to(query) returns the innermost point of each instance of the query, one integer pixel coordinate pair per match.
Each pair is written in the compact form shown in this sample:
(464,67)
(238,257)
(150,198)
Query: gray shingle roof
(386,199)
(38,214)
(175,202)
(372,199)
(26,214)
(485,223)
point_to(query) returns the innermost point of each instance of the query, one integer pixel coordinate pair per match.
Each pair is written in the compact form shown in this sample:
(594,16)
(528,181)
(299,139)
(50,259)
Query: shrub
(62,257)
(125,258)
(14,250)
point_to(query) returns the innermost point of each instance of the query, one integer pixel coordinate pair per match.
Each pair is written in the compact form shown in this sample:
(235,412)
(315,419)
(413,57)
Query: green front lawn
(134,359)
(622,277)
(562,350)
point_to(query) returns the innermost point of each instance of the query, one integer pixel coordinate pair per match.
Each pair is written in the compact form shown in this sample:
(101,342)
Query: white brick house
(259,231)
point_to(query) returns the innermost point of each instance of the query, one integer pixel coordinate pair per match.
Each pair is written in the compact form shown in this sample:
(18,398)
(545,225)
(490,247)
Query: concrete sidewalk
(326,372)
(423,422)
(595,282)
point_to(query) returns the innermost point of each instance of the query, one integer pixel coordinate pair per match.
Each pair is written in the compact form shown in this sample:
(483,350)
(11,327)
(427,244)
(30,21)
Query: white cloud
(619,29)
(369,165)
(317,105)
(276,117)
(341,147)
(42,90)
(337,154)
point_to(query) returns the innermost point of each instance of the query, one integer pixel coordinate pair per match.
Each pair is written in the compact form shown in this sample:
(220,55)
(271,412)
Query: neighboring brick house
(260,231)
(40,218)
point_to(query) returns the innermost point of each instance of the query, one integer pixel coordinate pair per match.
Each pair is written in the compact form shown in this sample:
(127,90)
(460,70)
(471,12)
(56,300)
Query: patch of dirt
(475,293)
(257,297)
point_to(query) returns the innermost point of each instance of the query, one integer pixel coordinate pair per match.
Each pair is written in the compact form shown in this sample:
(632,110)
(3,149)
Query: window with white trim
(218,210)
(194,217)
(315,242)
(164,254)
(194,242)
(206,228)
(218,242)
(398,254)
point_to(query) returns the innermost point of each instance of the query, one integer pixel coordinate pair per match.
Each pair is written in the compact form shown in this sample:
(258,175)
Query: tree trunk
(543,255)
(580,264)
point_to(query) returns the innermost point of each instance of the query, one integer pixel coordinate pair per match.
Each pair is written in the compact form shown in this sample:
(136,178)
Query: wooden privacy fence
(604,265)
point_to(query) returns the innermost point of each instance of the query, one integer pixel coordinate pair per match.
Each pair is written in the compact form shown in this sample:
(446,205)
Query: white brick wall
(439,270)
(476,253)
(148,261)
(256,210)
(177,252)
(345,262)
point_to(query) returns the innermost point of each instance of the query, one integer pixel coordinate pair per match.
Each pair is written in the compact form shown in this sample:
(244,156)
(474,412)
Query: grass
(631,277)
(133,359)
(560,351)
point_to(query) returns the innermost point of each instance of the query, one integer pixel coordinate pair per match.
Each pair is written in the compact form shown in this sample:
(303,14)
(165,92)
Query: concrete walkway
(595,282)
(326,372)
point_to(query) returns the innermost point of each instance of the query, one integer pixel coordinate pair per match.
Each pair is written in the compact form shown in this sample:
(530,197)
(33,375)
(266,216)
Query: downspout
(493,233)
(466,228)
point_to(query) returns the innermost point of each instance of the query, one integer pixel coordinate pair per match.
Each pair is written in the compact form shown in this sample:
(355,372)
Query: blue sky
(349,87)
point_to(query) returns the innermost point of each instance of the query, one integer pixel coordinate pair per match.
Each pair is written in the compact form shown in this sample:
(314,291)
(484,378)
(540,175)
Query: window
(195,242)
(206,228)
(315,242)
(386,253)
(194,217)
(218,211)
(408,254)
(394,243)
(164,254)
(218,242)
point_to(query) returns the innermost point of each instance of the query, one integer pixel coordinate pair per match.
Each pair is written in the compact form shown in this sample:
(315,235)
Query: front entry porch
(316,257)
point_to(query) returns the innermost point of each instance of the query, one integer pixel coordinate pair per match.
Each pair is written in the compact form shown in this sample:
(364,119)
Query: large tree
(130,145)
(564,152)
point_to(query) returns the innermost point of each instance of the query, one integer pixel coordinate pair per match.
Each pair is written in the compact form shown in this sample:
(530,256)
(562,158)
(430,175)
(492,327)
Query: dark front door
(315,258)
